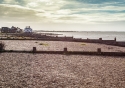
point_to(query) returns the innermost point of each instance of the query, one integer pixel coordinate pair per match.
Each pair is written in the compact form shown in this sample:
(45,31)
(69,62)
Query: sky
(64,15)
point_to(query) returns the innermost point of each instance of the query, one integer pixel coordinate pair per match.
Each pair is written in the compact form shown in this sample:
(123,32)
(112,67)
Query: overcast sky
(82,15)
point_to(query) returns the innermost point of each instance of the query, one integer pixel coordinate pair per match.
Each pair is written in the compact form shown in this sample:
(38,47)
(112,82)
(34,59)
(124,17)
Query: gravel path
(18,70)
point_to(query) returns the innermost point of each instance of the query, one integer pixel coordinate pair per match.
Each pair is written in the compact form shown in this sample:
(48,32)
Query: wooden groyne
(100,40)
(65,38)
(66,52)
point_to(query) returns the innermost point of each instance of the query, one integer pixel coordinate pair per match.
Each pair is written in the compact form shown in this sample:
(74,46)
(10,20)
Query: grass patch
(83,44)
(43,44)
(8,37)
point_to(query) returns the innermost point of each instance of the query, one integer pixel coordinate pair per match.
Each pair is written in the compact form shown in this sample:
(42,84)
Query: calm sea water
(120,36)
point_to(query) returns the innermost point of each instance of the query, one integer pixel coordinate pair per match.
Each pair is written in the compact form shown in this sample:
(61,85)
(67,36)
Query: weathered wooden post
(34,49)
(100,40)
(87,39)
(115,39)
(99,50)
(2,46)
(65,50)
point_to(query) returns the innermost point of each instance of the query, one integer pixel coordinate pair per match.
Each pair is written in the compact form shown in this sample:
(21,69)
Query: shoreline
(38,36)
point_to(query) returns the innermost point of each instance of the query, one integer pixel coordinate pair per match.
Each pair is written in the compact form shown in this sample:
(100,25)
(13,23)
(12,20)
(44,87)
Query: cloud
(98,1)
(64,11)
(18,13)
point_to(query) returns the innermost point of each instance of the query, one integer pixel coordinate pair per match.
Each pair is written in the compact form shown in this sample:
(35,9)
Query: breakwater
(100,40)
(66,52)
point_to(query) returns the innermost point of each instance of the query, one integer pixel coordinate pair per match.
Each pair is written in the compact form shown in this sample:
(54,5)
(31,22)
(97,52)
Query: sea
(105,35)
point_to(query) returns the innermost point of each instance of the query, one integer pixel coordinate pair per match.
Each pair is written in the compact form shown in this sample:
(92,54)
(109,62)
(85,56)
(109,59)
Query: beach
(27,70)
(20,70)
(58,46)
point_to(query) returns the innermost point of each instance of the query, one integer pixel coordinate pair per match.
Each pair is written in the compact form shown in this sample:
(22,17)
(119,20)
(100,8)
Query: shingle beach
(58,46)
(23,70)
(20,70)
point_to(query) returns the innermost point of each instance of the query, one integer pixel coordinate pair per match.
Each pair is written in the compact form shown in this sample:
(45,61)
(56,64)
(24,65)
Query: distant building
(13,29)
(10,30)
(19,30)
(28,29)
(5,30)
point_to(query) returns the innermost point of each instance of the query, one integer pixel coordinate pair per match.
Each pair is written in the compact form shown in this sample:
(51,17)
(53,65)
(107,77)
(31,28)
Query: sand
(59,45)
(19,70)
